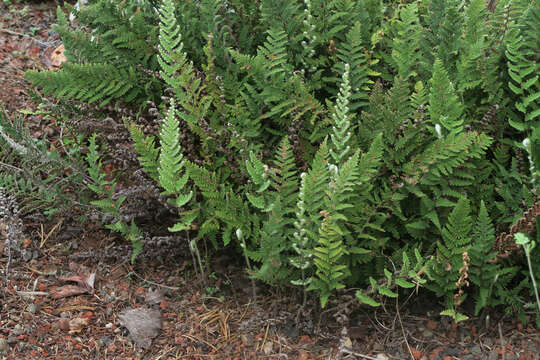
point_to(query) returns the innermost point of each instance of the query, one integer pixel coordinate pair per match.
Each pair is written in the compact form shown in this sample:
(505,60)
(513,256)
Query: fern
(327,254)
(444,106)
(522,48)
(89,83)
(406,46)
(341,134)
(485,274)
(145,148)
(173,176)
(107,202)
(456,240)
(353,52)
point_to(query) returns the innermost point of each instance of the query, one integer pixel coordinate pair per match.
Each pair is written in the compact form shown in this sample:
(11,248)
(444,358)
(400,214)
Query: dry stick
(403,329)
(151,282)
(11,32)
(8,261)
(503,345)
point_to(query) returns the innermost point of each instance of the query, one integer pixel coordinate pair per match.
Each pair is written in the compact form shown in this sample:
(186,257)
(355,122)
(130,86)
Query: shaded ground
(64,297)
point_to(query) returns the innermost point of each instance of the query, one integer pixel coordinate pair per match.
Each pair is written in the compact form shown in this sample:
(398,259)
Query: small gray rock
(453,352)
(476,350)
(105,340)
(143,325)
(17,330)
(493,355)
(32,308)
(64,315)
(427,333)
(4,347)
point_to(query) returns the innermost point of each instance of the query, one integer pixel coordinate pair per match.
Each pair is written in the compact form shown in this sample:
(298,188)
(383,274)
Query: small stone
(4,347)
(453,352)
(268,348)
(427,333)
(63,324)
(381,356)
(32,308)
(17,330)
(476,350)
(105,341)
(511,356)
(347,342)
(493,355)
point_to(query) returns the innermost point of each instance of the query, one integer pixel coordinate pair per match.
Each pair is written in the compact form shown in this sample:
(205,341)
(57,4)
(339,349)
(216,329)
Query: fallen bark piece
(78,324)
(143,325)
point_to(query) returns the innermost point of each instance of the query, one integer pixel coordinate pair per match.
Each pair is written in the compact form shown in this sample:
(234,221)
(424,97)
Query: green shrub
(336,144)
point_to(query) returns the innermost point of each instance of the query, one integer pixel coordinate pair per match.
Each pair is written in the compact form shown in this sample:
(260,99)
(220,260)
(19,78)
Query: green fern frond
(406,45)
(444,105)
(146,149)
(172,175)
(89,83)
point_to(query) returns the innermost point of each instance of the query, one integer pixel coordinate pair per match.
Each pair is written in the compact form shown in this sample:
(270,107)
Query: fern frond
(444,105)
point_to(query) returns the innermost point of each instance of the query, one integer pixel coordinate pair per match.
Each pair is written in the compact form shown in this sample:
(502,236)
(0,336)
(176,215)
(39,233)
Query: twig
(11,32)
(8,241)
(32,293)
(151,282)
(403,330)
(503,345)
(350,352)
(44,237)
(193,338)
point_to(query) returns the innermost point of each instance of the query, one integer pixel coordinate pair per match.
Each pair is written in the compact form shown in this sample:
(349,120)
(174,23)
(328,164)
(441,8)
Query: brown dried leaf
(143,324)
(84,280)
(54,57)
(68,290)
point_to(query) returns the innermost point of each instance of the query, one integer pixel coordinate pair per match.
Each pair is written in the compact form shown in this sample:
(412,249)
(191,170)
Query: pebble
(64,315)
(63,324)
(427,333)
(453,352)
(4,347)
(105,340)
(476,350)
(17,330)
(493,355)
(32,308)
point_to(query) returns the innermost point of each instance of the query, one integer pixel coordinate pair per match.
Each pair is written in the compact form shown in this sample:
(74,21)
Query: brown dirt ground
(41,317)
